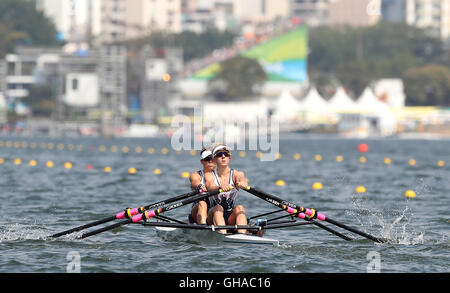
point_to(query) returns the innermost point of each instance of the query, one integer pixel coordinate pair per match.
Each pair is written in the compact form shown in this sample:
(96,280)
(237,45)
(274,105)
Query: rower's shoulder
(194,175)
(238,174)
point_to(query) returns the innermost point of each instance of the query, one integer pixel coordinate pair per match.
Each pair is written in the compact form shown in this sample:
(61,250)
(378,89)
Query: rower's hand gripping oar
(127,213)
(151,213)
(311,213)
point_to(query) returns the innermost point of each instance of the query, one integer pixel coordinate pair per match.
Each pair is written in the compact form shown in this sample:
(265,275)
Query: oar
(313,214)
(127,213)
(151,213)
(280,203)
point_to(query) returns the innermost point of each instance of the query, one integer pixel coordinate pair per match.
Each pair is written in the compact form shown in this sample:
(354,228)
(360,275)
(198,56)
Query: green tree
(237,79)
(357,56)
(427,85)
(21,23)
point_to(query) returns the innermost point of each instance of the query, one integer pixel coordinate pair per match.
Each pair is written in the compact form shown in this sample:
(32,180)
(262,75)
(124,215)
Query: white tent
(375,109)
(313,102)
(341,102)
(368,102)
(287,107)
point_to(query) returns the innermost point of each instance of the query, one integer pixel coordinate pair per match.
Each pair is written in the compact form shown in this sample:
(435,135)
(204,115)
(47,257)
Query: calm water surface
(38,201)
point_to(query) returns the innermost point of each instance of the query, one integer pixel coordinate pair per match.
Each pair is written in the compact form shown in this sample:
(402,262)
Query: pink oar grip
(291,210)
(120,215)
(320,216)
(140,217)
(137,218)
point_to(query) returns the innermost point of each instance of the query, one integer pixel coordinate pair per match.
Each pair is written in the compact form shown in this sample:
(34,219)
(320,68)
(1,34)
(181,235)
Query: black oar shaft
(110,227)
(112,218)
(280,202)
(343,226)
(79,228)
(159,211)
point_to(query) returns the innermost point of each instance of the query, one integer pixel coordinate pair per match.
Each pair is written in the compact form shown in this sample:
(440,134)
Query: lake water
(39,200)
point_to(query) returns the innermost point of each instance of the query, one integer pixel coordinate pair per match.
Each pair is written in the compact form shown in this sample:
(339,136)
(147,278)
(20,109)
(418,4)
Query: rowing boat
(210,236)
(143,214)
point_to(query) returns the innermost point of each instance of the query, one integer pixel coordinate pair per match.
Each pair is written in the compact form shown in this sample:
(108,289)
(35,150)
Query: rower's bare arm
(196,180)
(240,179)
(209,182)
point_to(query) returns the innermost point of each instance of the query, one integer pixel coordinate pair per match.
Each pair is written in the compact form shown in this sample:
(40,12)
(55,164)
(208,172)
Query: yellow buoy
(114,149)
(280,183)
(317,185)
(107,169)
(297,156)
(68,165)
(157,171)
(193,152)
(362,160)
(17,161)
(164,151)
(185,174)
(258,155)
(360,189)
(318,158)
(49,164)
(410,194)
(125,150)
(242,154)
(412,162)
(441,163)
(387,161)
(278,156)
(32,163)
(132,170)
(138,150)
(60,146)
(102,148)
(339,159)
(2,160)
(150,150)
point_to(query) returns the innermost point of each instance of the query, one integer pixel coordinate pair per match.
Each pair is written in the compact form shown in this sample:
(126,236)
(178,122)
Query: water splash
(17,231)
(399,230)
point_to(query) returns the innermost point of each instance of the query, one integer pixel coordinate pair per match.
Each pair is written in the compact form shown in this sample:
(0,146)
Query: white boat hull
(213,236)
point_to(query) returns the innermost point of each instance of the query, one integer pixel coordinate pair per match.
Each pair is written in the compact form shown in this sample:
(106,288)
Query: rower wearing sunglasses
(222,209)
(200,209)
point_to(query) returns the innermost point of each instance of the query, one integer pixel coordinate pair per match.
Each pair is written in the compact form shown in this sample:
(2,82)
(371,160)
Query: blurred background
(125,68)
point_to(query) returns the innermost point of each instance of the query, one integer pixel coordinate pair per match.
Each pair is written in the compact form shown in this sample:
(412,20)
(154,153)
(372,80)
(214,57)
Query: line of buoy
(362,148)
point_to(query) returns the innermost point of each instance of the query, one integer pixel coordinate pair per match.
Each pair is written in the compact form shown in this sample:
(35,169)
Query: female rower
(222,206)
(200,209)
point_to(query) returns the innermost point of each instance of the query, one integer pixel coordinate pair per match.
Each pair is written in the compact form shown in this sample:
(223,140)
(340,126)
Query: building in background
(431,15)
(311,12)
(354,12)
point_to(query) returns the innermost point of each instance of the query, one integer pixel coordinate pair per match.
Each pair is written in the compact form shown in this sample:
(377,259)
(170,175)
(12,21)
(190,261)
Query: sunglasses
(207,159)
(220,154)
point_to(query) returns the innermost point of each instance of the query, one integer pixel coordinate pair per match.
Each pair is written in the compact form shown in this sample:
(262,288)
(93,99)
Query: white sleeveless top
(225,199)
